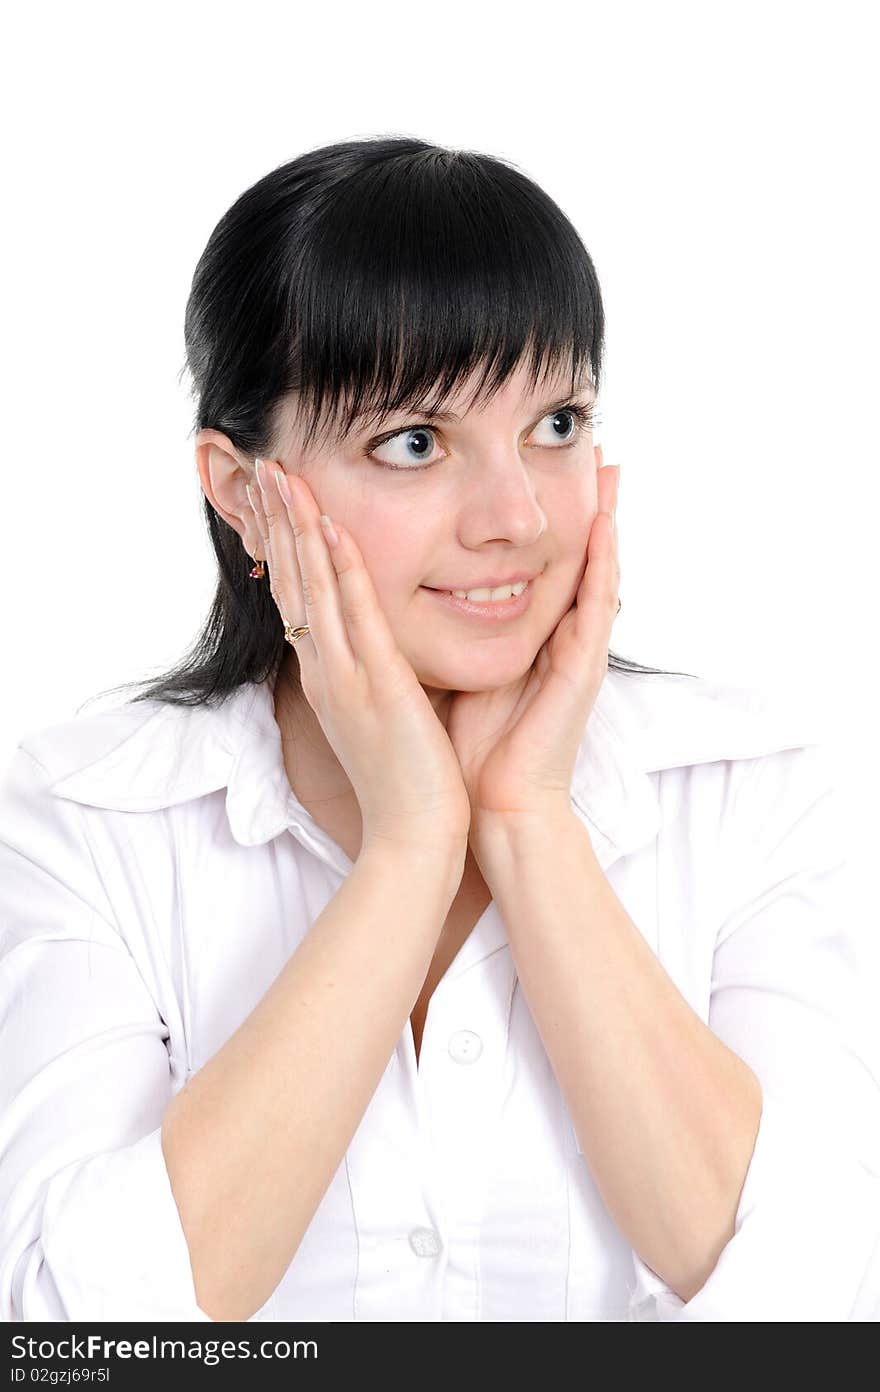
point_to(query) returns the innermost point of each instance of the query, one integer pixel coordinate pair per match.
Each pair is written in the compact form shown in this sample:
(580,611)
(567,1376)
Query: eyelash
(584,415)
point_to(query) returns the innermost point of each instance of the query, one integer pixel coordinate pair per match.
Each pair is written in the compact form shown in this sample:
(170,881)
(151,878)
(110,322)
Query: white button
(465,1046)
(425,1242)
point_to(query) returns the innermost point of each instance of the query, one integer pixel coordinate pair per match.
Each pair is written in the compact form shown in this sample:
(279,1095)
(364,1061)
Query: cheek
(573,532)
(394,554)
(570,537)
(389,535)
(570,504)
(396,578)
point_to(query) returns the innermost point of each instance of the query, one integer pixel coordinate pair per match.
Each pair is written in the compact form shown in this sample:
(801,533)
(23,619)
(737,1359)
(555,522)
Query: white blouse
(157,872)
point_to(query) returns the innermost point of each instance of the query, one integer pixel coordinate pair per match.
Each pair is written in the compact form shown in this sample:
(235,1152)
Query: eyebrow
(547,406)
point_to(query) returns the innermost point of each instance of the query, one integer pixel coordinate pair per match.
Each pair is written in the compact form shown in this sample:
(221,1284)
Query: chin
(482,667)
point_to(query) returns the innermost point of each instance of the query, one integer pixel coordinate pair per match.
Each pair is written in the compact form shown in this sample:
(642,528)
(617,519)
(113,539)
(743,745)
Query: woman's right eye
(416,438)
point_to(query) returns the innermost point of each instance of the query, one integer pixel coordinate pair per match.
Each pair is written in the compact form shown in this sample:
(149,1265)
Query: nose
(501,502)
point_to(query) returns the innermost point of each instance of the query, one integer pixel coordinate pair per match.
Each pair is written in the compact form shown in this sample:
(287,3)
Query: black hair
(359,276)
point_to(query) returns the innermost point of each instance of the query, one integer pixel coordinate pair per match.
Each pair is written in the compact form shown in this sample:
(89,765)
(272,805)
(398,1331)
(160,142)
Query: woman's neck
(313,769)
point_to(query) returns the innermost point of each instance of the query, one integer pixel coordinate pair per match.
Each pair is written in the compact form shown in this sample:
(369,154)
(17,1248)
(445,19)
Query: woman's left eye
(582,418)
(419,436)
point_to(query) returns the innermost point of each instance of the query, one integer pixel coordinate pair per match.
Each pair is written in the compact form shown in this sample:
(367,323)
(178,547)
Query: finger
(367,628)
(255,498)
(284,602)
(601,579)
(607,479)
(301,550)
(252,492)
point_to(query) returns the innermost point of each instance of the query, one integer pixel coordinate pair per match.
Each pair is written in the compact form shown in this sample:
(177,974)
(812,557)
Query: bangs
(419,273)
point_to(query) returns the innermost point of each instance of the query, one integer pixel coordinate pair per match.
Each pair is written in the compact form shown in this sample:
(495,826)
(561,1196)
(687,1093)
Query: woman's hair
(359,276)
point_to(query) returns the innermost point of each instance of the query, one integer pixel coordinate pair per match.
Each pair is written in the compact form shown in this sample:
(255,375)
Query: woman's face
(510,487)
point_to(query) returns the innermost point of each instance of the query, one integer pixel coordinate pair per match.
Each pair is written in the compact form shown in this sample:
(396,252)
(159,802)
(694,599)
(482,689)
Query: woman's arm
(666,1115)
(254,1138)
(665,1107)
(90,1227)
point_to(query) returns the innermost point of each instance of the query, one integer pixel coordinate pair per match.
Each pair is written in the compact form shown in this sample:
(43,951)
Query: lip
(499,612)
(493,583)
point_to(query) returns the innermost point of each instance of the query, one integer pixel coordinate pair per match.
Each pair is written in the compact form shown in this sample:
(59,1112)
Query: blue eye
(420,436)
(583,419)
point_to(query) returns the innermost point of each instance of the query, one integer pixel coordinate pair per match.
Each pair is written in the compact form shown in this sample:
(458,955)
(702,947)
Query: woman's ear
(224,473)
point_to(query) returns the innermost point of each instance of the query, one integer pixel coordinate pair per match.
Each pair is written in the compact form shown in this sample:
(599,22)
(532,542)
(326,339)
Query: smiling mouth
(485,609)
(483,594)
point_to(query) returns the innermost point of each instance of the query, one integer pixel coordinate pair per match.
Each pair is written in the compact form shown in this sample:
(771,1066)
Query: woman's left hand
(517,745)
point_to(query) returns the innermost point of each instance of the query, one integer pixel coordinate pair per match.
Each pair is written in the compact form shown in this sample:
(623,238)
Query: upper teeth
(487,596)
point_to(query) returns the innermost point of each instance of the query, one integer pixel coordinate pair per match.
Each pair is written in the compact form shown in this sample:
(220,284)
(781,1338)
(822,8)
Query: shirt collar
(150,755)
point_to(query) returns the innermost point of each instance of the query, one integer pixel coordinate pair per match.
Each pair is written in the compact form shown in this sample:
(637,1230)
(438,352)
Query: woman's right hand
(366,696)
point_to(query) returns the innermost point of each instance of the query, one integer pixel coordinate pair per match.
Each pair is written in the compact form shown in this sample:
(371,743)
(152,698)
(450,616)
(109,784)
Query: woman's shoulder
(75,743)
(675,720)
(133,755)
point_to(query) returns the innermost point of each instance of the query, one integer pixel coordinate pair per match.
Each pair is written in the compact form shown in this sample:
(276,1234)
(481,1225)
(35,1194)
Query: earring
(258,571)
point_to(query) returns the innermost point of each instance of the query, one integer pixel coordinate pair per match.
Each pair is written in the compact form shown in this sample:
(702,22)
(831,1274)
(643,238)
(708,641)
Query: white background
(719,161)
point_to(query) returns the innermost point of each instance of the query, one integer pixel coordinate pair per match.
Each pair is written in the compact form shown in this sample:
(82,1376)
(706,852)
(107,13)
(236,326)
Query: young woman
(404,954)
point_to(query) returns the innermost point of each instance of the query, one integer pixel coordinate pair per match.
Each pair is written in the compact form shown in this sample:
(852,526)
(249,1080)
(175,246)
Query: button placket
(392,1206)
(462,1085)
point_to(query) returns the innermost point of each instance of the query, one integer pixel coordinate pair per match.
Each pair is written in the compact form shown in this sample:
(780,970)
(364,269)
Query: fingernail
(258,470)
(332,534)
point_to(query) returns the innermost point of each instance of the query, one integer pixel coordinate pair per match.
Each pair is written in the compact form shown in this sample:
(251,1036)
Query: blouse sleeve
(790,995)
(89,1227)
